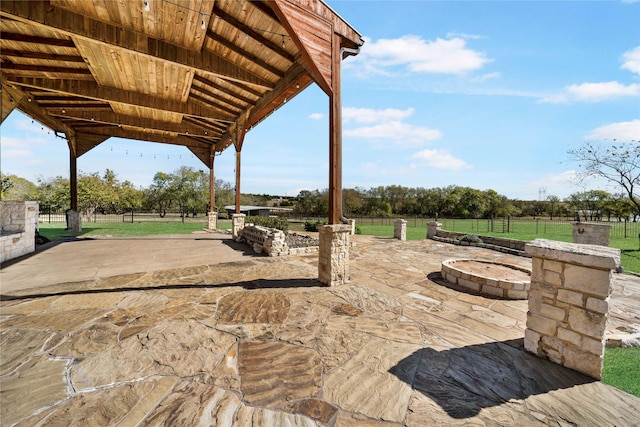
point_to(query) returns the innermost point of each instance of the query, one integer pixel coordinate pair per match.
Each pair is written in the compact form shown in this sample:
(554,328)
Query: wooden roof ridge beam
(111,118)
(76,25)
(163,138)
(92,90)
(253,33)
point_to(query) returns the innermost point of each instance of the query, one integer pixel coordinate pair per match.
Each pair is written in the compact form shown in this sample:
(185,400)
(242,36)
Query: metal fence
(51,216)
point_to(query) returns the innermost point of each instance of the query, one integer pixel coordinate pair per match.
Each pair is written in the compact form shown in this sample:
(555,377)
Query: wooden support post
(335,136)
(239,140)
(73,171)
(238,181)
(212,184)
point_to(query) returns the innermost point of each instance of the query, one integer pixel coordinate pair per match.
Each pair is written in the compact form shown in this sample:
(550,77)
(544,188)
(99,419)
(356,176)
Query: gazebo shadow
(463,381)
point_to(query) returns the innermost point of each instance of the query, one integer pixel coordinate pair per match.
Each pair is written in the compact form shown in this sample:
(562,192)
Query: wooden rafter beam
(247,55)
(219,88)
(77,25)
(11,68)
(92,90)
(11,53)
(215,96)
(24,38)
(217,105)
(253,33)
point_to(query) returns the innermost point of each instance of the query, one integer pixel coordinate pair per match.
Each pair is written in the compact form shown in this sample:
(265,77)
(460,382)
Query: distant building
(255,210)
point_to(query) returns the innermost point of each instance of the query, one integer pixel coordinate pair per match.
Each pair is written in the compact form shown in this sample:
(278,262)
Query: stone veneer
(213,221)
(400,229)
(333,260)
(74,220)
(237,224)
(569,303)
(591,234)
(18,225)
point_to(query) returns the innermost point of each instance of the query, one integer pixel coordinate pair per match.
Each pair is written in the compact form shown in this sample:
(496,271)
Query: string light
(146,5)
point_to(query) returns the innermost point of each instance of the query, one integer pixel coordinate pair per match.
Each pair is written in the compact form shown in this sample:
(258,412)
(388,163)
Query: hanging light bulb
(202,24)
(283,41)
(146,5)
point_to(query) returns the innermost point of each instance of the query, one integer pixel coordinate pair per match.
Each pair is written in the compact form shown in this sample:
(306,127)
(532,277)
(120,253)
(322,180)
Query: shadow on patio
(464,380)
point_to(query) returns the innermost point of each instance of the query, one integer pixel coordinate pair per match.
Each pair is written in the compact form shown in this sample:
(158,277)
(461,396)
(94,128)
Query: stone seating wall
(271,241)
(501,244)
(18,225)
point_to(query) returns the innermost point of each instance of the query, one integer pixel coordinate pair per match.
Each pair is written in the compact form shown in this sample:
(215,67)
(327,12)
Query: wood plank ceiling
(188,72)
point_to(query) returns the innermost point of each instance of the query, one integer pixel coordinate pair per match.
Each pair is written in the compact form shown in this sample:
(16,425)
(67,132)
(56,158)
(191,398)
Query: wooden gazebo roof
(194,73)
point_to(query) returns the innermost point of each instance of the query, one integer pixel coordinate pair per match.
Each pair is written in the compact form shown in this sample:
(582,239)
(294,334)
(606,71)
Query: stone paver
(249,340)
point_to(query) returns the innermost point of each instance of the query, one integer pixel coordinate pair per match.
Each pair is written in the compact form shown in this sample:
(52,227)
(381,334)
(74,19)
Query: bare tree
(619,164)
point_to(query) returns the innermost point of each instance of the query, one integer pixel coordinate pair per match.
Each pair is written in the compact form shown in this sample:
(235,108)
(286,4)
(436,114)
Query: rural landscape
(318,213)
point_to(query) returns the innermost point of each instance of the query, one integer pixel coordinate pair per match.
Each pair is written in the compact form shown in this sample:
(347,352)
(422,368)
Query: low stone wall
(270,241)
(18,225)
(501,244)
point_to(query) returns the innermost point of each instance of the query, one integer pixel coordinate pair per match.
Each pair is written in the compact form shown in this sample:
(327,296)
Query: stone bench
(264,239)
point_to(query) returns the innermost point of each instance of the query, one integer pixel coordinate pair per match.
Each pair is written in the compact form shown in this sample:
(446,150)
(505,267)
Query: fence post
(131,215)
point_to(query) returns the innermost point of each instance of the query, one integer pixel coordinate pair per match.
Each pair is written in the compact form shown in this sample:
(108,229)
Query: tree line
(465,202)
(186,191)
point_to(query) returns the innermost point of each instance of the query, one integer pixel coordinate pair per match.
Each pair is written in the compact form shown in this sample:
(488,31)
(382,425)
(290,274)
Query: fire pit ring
(488,278)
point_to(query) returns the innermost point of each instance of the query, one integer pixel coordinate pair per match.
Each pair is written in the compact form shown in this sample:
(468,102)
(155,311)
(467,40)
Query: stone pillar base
(569,303)
(213,221)
(591,234)
(400,229)
(333,262)
(432,229)
(237,224)
(74,221)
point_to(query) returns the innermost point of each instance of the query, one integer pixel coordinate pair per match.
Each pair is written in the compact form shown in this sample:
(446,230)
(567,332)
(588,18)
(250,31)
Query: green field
(519,230)
(622,369)
(56,231)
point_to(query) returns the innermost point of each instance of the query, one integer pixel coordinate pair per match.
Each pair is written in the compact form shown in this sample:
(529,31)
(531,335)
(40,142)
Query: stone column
(74,220)
(569,303)
(352,224)
(591,234)
(333,262)
(432,229)
(237,224)
(213,221)
(400,229)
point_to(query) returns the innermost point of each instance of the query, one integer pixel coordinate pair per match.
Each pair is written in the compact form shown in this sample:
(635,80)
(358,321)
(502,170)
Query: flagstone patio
(250,340)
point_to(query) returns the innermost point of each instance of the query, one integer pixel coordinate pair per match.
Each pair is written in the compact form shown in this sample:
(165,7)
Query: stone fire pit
(488,278)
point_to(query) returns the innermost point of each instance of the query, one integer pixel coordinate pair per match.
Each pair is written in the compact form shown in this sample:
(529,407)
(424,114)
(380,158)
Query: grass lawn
(56,231)
(622,369)
(630,254)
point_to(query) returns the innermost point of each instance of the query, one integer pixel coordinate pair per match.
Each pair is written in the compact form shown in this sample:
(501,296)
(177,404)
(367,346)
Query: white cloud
(442,56)
(488,76)
(454,34)
(621,131)
(632,60)
(15,153)
(368,115)
(316,116)
(399,134)
(593,92)
(439,159)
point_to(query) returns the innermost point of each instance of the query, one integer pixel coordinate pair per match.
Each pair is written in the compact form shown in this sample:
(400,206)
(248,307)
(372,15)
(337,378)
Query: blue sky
(485,94)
